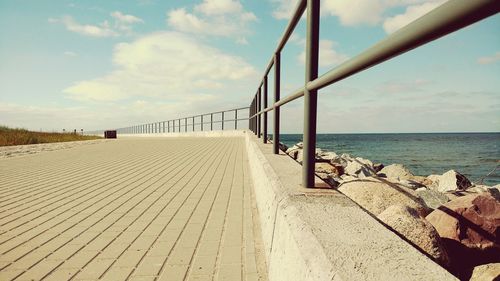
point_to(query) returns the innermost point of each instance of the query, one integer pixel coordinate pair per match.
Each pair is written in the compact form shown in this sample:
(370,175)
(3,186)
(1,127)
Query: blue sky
(106,64)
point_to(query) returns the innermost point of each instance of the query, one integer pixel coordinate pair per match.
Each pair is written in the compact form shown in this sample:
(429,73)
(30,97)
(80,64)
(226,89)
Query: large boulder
(486,272)
(282,146)
(329,173)
(470,229)
(295,152)
(327,168)
(396,172)
(359,169)
(452,181)
(433,199)
(325,156)
(376,195)
(420,232)
(494,191)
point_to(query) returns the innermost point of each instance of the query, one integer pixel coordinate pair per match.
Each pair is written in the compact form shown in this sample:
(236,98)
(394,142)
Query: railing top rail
(197,115)
(189,117)
(445,19)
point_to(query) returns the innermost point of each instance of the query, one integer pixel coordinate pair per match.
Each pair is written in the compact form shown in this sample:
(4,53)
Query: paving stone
(131,208)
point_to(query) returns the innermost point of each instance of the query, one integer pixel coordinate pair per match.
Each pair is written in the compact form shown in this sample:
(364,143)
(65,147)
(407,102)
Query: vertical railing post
(193,123)
(185,124)
(259,119)
(236,119)
(249,115)
(211,121)
(168,126)
(201,122)
(310,97)
(222,121)
(276,118)
(264,137)
(254,112)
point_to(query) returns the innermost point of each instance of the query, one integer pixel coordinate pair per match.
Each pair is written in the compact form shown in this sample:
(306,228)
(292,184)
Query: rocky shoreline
(449,218)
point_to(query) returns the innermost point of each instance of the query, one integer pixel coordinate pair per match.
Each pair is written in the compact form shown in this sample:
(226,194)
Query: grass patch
(9,136)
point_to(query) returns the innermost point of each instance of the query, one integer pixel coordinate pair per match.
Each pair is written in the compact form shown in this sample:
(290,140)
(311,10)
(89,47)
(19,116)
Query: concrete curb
(321,234)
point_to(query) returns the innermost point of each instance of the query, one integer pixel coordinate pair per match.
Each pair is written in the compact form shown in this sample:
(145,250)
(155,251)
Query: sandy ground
(21,150)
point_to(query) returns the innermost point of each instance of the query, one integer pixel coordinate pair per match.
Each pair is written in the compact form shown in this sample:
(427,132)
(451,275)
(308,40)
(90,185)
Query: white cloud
(412,13)
(169,65)
(328,56)
(403,87)
(122,25)
(489,59)
(222,18)
(363,12)
(119,16)
(355,12)
(284,8)
(101,30)
(70,54)
(219,7)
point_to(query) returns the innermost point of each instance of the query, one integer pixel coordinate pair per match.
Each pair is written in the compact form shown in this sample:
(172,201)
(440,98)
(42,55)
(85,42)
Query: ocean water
(472,154)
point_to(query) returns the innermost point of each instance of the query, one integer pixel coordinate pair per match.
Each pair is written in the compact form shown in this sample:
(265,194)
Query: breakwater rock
(447,216)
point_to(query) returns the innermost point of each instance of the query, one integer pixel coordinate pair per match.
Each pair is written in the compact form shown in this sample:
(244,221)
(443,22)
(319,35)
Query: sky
(109,64)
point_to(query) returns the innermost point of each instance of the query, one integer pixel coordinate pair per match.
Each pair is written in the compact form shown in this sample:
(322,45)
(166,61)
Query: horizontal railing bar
(190,124)
(198,115)
(297,94)
(449,17)
(297,14)
(174,121)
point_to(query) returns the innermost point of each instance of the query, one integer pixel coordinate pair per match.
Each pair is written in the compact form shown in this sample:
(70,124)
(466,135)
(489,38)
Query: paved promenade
(130,209)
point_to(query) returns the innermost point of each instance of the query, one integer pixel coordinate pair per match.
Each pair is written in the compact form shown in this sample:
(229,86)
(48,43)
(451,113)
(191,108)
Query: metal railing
(447,18)
(182,125)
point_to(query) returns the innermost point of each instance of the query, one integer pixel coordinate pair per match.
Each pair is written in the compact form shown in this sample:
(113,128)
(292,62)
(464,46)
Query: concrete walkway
(130,209)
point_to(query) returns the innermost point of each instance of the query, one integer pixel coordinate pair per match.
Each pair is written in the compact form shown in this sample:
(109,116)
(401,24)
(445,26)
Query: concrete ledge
(216,134)
(321,234)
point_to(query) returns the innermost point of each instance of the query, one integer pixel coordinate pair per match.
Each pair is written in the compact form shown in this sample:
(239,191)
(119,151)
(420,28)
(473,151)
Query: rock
(433,199)
(378,166)
(452,181)
(326,156)
(433,181)
(408,223)
(484,189)
(359,167)
(411,184)
(339,161)
(347,178)
(295,152)
(282,146)
(329,179)
(327,168)
(486,272)
(365,162)
(420,179)
(376,195)
(396,172)
(470,228)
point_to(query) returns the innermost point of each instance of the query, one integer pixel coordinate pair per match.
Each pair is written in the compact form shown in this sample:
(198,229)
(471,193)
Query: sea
(474,155)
